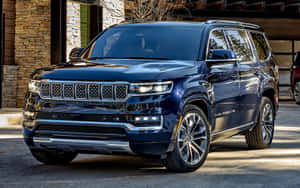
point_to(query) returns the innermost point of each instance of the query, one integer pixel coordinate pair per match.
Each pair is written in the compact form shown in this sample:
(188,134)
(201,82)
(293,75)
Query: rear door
(224,82)
(249,75)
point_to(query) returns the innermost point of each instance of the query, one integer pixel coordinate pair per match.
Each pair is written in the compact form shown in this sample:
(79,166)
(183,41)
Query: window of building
(216,41)
(261,45)
(240,44)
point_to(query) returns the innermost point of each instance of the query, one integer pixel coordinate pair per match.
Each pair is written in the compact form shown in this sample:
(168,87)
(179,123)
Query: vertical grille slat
(45,90)
(84,91)
(94,91)
(81,91)
(107,92)
(68,90)
(56,90)
(121,91)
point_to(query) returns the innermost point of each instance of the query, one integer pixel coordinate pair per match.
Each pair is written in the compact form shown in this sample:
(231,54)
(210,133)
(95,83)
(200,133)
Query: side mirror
(75,54)
(222,56)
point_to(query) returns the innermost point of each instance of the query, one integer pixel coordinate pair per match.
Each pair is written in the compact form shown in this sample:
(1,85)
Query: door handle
(234,77)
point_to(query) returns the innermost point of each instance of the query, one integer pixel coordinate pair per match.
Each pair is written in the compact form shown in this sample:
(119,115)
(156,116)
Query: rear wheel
(53,158)
(262,135)
(192,142)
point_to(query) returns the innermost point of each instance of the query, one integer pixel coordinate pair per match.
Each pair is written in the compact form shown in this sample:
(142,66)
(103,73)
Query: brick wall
(9,86)
(9,10)
(32,40)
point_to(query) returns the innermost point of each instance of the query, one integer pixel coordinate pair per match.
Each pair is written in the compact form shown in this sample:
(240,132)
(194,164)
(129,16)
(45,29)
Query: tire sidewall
(264,102)
(194,109)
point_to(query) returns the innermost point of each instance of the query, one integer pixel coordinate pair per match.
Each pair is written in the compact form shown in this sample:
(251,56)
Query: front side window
(217,41)
(240,45)
(175,43)
(261,45)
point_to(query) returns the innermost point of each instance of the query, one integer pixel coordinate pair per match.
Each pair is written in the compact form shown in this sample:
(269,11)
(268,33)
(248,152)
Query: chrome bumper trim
(128,126)
(110,145)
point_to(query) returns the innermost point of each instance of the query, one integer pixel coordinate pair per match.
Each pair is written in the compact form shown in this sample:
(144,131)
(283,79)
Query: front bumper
(85,127)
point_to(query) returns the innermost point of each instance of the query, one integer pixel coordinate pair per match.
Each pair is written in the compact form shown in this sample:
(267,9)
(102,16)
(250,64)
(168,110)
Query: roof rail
(232,23)
(136,21)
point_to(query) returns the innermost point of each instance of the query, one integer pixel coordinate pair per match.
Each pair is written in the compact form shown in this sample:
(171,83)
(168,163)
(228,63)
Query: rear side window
(217,41)
(261,45)
(240,44)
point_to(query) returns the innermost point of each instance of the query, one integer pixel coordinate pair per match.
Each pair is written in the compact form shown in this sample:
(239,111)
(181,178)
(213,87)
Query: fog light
(147,118)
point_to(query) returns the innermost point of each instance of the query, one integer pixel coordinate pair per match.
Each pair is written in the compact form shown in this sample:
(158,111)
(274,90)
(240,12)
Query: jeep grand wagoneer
(166,89)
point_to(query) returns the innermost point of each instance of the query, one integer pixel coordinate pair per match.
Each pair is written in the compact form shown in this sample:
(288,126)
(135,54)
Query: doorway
(74,23)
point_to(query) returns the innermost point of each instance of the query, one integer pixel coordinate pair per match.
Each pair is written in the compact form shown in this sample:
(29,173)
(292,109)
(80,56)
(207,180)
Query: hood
(119,70)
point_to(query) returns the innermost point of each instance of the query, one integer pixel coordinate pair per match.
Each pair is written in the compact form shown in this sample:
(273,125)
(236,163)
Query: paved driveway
(230,164)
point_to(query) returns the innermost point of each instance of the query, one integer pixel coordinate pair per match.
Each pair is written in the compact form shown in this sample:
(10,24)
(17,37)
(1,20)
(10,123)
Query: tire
(261,135)
(193,138)
(53,158)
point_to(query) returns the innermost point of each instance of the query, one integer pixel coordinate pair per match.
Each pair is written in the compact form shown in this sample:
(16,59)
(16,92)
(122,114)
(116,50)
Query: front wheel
(192,142)
(262,135)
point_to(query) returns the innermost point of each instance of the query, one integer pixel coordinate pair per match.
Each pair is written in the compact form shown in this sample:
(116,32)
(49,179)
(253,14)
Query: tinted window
(216,41)
(147,42)
(260,45)
(240,45)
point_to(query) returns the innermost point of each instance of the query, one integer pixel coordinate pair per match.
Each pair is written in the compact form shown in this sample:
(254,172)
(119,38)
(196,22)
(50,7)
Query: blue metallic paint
(226,106)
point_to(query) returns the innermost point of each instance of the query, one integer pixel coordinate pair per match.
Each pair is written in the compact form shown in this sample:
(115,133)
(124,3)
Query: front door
(248,74)
(224,82)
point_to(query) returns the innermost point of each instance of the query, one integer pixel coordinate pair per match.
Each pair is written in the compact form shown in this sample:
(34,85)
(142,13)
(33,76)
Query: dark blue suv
(158,89)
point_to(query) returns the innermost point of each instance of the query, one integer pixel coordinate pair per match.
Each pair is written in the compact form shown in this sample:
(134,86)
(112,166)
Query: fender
(188,98)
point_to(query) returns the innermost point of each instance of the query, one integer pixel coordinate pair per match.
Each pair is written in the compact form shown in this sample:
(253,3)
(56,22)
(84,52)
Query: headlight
(34,86)
(156,88)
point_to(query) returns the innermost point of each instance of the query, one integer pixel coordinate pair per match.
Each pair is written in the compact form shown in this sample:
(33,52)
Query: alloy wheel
(267,123)
(192,138)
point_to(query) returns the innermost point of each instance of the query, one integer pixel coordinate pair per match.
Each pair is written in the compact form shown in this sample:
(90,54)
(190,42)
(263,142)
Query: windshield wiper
(96,58)
(156,58)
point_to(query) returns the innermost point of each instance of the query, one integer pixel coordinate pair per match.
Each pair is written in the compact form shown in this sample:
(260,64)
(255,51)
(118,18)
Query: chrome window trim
(229,46)
(128,126)
(247,40)
(268,44)
(208,40)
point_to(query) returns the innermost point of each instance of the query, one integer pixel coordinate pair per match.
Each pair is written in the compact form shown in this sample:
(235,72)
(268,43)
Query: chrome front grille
(84,91)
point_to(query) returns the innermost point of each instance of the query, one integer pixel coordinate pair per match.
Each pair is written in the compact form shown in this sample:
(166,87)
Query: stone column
(32,40)
(73,27)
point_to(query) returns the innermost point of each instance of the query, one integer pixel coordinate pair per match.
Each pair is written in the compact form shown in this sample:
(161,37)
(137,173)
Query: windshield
(174,43)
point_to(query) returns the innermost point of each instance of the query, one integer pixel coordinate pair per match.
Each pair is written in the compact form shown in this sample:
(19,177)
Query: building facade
(33,36)
(38,33)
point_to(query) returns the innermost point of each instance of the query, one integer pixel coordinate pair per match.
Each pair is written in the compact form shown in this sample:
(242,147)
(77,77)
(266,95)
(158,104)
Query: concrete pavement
(230,164)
